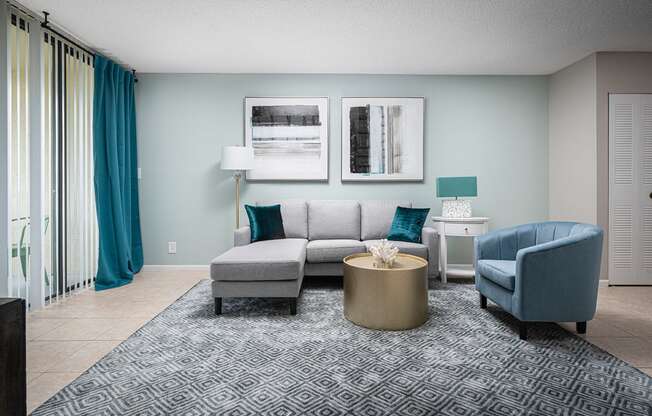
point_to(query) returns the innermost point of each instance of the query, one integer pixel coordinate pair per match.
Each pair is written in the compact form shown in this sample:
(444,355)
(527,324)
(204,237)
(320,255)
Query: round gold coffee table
(390,299)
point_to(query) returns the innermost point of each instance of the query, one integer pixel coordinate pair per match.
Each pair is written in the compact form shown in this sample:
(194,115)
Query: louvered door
(630,189)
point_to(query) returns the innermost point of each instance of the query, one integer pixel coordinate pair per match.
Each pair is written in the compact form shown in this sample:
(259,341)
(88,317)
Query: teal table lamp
(456,187)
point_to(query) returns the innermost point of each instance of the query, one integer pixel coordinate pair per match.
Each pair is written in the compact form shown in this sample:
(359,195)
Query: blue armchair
(546,271)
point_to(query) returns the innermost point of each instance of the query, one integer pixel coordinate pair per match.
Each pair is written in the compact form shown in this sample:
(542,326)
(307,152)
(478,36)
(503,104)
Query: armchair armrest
(560,277)
(430,238)
(242,236)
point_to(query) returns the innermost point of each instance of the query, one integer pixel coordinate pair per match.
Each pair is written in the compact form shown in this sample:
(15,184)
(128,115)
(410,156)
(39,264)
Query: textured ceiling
(354,36)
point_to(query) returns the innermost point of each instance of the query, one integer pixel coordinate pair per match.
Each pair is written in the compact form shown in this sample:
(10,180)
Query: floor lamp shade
(237,158)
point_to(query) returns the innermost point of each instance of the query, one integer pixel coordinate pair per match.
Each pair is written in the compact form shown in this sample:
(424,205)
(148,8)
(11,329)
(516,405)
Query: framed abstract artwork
(289,136)
(382,139)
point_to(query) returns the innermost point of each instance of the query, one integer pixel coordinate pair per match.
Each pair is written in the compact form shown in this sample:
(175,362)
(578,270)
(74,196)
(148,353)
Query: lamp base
(456,208)
(237,175)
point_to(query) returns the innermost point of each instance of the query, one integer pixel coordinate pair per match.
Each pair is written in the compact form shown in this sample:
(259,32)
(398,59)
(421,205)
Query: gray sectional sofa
(319,234)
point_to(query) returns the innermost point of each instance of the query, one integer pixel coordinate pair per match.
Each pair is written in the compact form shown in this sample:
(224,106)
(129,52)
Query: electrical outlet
(172,247)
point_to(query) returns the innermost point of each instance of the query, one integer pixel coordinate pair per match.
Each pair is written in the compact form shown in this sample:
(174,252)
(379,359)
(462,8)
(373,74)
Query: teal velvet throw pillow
(266,222)
(407,224)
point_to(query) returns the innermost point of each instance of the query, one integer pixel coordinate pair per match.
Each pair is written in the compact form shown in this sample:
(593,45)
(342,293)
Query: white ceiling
(354,36)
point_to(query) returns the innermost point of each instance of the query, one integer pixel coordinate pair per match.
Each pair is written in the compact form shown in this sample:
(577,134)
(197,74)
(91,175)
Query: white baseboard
(175,267)
(603,283)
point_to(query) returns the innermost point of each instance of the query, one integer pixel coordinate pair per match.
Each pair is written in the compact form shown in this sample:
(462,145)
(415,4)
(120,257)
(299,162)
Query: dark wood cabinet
(13,387)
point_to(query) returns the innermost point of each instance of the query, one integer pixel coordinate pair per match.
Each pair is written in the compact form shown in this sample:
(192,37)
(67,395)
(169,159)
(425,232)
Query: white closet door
(630,189)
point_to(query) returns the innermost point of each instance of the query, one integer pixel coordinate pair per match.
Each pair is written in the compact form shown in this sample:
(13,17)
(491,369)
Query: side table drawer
(464,229)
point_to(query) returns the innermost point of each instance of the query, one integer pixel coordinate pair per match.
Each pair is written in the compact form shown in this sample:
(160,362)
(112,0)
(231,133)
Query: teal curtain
(116,177)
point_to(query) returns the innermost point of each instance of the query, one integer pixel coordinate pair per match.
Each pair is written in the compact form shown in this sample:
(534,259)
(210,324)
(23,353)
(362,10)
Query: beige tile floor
(65,339)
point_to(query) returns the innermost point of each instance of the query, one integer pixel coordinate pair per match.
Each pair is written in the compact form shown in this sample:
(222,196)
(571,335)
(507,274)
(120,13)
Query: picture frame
(382,139)
(290,137)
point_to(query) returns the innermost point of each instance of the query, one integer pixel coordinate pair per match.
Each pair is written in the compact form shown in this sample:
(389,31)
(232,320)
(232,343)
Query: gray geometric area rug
(256,359)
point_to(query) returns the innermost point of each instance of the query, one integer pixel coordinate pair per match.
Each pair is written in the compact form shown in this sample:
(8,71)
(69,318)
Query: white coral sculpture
(384,254)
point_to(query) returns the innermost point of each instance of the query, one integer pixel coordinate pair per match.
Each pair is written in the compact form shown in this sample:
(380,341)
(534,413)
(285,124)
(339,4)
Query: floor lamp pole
(237,177)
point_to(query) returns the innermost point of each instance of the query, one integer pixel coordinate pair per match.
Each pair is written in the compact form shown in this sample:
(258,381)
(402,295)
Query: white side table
(457,227)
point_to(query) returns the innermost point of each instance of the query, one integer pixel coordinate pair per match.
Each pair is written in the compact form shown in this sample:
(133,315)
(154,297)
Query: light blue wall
(491,127)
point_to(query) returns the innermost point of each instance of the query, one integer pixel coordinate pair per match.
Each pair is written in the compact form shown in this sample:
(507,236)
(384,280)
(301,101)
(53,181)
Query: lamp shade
(453,187)
(237,158)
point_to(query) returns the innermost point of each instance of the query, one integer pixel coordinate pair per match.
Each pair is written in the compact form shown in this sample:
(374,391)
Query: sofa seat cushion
(263,260)
(328,251)
(415,249)
(501,272)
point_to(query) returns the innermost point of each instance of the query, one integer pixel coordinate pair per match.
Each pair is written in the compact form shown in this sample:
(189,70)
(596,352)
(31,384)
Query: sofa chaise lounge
(319,234)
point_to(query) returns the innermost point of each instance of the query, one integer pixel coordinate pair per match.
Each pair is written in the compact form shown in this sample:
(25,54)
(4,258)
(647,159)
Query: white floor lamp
(237,159)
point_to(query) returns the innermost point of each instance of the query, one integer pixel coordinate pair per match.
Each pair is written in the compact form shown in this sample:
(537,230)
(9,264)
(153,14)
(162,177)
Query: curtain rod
(46,25)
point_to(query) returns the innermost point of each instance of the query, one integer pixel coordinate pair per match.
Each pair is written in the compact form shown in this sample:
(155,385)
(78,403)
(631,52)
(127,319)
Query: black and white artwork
(289,136)
(382,139)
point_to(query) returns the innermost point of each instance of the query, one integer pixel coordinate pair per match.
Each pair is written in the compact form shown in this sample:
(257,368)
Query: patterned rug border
(435,286)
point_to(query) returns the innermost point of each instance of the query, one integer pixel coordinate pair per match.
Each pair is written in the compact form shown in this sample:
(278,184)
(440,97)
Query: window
(67,196)
(18,147)
(69,199)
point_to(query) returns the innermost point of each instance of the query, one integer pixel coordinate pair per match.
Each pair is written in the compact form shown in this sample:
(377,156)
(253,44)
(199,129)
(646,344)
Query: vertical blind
(69,223)
(78,214)
(69,200)
(18,148)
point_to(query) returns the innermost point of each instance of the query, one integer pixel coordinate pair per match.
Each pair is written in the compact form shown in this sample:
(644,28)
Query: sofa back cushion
(376,217)
(295,216)
(333,219)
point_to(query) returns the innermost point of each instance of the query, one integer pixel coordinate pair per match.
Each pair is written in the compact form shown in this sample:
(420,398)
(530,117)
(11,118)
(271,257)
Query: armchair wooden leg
(581,327)
(218,306)
(483,301)
(293,306)
(522,330)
